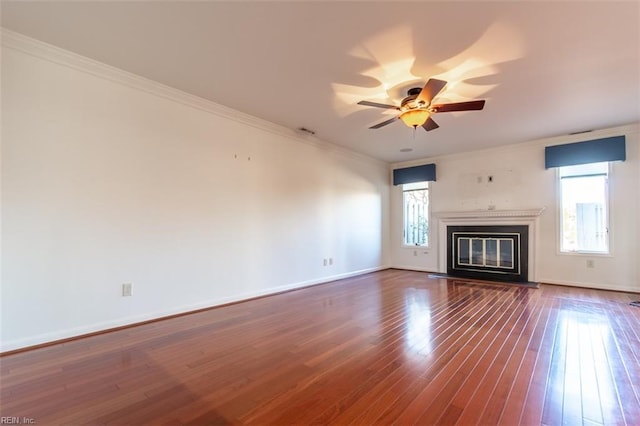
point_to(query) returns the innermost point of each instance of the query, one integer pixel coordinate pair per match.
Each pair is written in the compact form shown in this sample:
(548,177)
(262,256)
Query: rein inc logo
(8,420)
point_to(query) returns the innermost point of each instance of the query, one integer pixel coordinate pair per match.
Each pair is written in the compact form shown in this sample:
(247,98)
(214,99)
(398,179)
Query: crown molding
(51,53)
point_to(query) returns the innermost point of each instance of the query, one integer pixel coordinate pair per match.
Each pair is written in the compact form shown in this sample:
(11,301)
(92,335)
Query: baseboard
(590,285)
(413,268)
(46,339)
(542,281)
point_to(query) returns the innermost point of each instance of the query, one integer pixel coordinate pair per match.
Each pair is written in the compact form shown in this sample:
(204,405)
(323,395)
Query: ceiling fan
(416,109)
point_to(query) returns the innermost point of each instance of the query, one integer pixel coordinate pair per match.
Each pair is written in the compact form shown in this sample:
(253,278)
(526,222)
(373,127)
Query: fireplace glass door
(482,252)
(488,252)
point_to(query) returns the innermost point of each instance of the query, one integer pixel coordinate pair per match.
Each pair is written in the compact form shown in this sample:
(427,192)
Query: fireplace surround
(479,225)
(488,252)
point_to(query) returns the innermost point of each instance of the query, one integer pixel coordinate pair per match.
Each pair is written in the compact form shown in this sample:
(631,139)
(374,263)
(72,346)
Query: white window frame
(608,216)
(415,187)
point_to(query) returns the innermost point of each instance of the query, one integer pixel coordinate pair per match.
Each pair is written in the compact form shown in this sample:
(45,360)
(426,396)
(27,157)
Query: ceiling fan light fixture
(415,117)
(417,107)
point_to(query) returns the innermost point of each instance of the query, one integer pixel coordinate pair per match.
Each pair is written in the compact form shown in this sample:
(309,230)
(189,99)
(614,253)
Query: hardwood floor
(388,347)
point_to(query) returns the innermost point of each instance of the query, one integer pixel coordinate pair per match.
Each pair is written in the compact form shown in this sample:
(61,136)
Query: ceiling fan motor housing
(409,102)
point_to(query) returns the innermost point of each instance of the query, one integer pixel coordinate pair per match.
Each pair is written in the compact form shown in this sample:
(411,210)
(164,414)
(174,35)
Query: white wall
(108,178)
(521,182)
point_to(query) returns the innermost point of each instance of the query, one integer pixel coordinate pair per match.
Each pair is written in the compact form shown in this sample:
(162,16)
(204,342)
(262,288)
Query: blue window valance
(426,172)
(594,151)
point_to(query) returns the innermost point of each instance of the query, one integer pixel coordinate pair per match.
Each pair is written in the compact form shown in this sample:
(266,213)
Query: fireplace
(488,252)
(503,243)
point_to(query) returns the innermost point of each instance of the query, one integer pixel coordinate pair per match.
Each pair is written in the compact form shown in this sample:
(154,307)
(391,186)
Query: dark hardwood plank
(393,347)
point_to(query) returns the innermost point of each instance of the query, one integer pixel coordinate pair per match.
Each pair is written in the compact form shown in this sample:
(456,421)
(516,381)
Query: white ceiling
(545,68)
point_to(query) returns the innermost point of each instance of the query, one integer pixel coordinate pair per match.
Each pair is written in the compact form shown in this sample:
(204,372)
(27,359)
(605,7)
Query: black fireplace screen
(488,252)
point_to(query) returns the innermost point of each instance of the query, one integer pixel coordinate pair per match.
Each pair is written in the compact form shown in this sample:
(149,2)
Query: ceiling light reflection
(418,329)
(394,56)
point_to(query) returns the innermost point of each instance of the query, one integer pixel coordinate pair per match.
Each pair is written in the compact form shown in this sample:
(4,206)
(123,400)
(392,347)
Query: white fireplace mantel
(528,217)
(479,214)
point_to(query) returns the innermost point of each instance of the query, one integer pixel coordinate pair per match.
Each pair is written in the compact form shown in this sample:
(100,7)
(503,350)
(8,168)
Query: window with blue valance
(594,151)
(424,173)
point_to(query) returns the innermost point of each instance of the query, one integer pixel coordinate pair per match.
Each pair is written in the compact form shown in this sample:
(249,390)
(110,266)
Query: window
(584,219)
(416,213)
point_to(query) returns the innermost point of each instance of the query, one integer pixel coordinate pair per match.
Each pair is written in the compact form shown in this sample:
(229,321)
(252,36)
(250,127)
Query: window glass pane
(506,253)
(477,251)
(491,247)
(416,213)
(584,217)
(584,169)
(463,251)
(416,185)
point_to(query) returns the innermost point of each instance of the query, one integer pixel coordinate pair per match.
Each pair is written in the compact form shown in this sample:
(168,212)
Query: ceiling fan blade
(384,123)
(377,105)
(431,90)
(459,106)
(430,124)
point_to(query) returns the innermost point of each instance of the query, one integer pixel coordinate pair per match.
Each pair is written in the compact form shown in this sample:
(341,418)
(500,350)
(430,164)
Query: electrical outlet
(325,262)
(331,261)
(415,252)
(590,263)
(127,289)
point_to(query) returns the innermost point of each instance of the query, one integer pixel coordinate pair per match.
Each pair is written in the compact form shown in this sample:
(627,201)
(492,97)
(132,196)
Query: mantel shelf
(489,213)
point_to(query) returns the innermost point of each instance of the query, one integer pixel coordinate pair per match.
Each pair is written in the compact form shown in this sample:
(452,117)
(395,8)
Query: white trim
(559,216)
(159,315)
(404,215)
(559,223)
(51,53)
(597,286)
(490,217)
(473,214)
(414,268)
